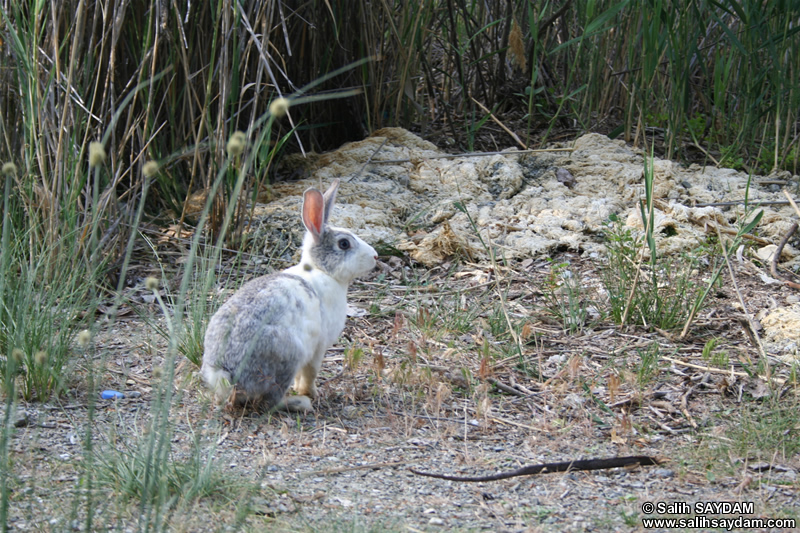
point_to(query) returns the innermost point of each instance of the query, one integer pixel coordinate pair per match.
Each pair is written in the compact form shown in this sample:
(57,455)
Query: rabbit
(277,328)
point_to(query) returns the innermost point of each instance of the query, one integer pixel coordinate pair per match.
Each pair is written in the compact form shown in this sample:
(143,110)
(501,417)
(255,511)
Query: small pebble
(436,521)
(23,419)
(663,472)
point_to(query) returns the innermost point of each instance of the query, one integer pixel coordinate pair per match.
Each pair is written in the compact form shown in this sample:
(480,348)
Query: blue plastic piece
(111,395)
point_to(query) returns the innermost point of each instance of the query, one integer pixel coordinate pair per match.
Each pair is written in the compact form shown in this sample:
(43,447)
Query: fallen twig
(791,201)
(741,202)
(773,266)
(791,284)
(472,154)
(506,388)
(373,154)
(517,424)
(497,121)
(685,407)
(713,370)
(566,466)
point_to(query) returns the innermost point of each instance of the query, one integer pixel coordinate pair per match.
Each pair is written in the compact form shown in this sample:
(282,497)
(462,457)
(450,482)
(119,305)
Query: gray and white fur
(276,329)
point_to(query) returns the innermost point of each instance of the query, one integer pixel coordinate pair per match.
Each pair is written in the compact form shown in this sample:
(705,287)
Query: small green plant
(731,157)
(620,271)
(39,302)
(747,223)
(201,302)
(653,290)
(426,319)
(353,356)
(565,298)
(498,325)
(130,473)
(659,292)
(648,367)
(718,358)
(631,519)
(766,430)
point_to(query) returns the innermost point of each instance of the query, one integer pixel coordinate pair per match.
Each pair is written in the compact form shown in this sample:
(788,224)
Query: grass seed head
(150,169)
(236,143)
(151,283)
(40,358)
(84,337)
(516,46)
(279,107)
(17,355)
(9,169)
(97,154)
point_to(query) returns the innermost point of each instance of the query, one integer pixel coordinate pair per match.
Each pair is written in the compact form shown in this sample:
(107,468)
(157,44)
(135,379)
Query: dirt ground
(427,376)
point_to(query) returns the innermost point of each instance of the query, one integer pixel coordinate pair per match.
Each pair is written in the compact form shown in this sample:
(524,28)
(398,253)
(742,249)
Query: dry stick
(516,424)
(633,288)
(773,266)
(566,466)
(513,135)
(740,202)
(705,152)
(373,154)
(685,407)
(791,201)
(747,236)
(712,370)
(783,243)
(472,154)
(506,388)
(663,426)
(744,308)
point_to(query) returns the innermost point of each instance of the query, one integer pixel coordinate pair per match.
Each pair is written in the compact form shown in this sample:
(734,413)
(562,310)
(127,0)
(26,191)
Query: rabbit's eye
(344,244)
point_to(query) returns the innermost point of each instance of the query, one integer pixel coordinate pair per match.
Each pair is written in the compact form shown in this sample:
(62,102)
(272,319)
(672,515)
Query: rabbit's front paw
(304,381)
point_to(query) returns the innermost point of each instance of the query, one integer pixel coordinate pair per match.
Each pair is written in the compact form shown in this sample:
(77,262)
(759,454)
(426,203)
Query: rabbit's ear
(314,212)
(330,199)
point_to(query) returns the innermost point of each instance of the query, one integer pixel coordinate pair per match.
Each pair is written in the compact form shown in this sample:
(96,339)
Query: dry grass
(433,379)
